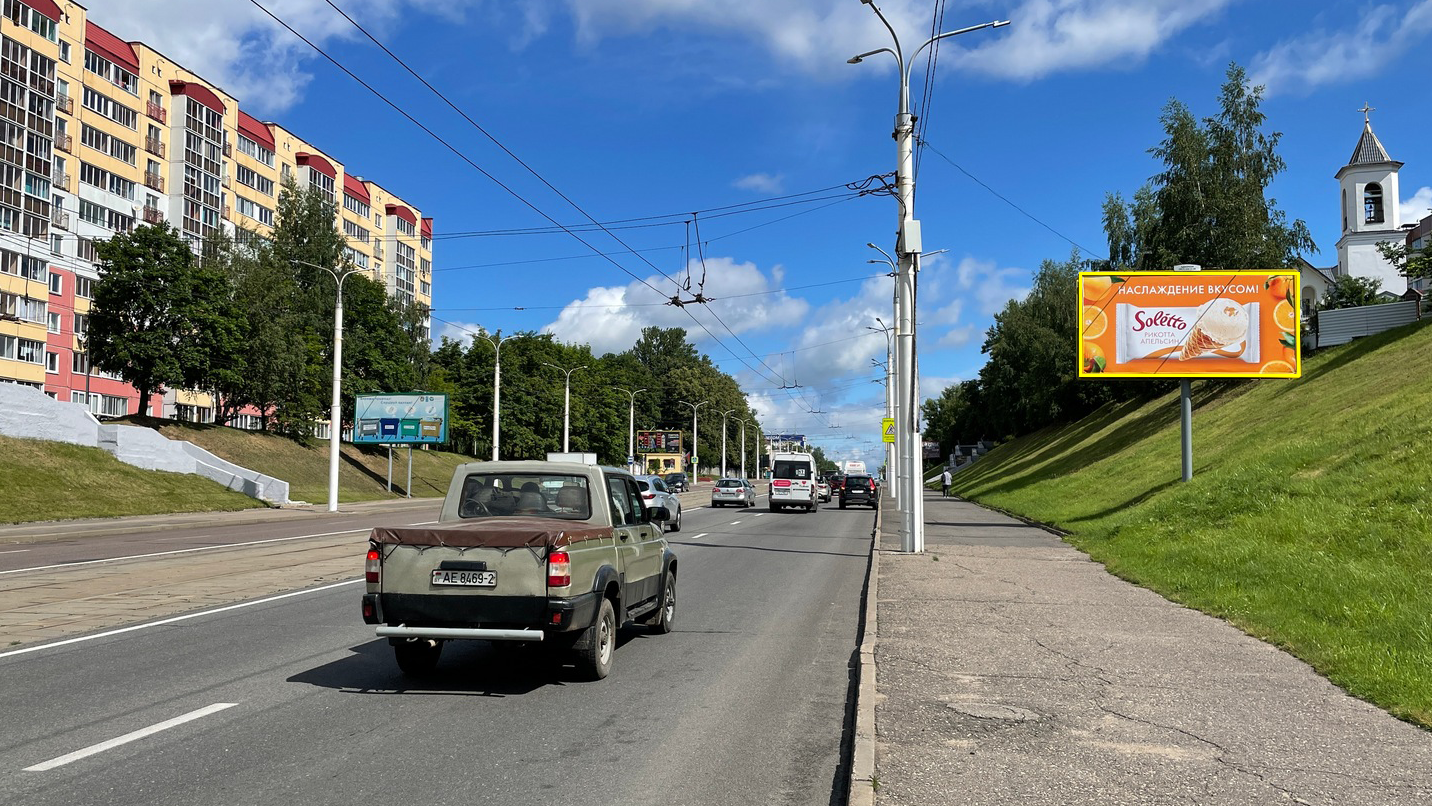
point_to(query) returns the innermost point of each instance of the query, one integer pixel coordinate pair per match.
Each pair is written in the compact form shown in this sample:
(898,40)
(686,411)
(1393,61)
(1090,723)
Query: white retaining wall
(27,412)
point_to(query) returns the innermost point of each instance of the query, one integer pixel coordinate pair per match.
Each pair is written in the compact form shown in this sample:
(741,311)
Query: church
(1371,215)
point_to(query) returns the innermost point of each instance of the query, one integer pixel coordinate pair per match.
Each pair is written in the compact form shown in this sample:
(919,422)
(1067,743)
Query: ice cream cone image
(1220,323)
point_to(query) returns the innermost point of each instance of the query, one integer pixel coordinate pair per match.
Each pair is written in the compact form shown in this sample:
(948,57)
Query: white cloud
(818,35)
(242,50)
(761,182)
(1418,207)
(460,332)
(611,318)
(958,337)
(1345,55)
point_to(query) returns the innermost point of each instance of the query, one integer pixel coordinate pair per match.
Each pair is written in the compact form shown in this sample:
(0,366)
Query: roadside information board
(658,442)
(1206,324)
(400,419)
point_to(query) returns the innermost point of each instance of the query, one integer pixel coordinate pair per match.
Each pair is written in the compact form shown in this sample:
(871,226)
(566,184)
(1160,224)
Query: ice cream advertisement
(1239,324)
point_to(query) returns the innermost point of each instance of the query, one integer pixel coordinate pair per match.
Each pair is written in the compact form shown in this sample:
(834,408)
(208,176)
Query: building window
(27,350)
(52,322)
(254,210)
(84,287)
(253,149)
(52,362)
(324,183)
(250,178)
(116,75)
(108,107)
(79,364)
(81,325)
(1372,203)
(355,205)
(354,232)
(405,227)
(56,284)
(64,51)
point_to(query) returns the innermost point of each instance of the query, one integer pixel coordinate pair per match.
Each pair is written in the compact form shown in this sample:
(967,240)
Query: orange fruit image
(1092,322)
(1095,288)
(1278,286)
(1275,367)
(1285,316)
(1094,360)
(1290,355)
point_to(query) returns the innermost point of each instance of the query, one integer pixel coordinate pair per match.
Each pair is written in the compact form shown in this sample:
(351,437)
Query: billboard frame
(362,404)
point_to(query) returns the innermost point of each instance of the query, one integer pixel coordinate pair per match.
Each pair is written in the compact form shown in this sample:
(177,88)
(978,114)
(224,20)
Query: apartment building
(101,135)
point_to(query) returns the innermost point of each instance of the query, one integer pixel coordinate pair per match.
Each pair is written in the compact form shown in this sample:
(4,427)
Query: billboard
(400,419)
(1205,324)
(658,442)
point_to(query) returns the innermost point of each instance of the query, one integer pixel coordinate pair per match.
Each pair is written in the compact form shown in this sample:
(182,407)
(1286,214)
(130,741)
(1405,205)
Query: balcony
(154,146)
(61,180)
(64,142)
(59,218)
(154,180)
(152,215)
(65,104)
(156,111)
(226,181)
(228,149)
(228,213)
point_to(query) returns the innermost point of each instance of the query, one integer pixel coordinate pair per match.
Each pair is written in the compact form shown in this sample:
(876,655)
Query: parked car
(676,482)
(733,491)
(822,489)
(859,490)
(655,493)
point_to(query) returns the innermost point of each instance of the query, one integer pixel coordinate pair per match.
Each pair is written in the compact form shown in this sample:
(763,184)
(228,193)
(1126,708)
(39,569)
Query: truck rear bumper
(452,633)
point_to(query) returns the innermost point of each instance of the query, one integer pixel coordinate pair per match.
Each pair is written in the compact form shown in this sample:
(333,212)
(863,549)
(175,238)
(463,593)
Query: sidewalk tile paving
(1012,669)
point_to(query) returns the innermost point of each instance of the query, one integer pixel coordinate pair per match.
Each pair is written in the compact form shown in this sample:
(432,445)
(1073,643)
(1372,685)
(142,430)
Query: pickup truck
(554,553)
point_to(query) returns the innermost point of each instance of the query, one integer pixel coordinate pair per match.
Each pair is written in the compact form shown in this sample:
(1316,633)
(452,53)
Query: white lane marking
(173,619)
(177,539)
(13,551)
(200,548)
(130,737)
(698,537)
(733,523)
(758,514)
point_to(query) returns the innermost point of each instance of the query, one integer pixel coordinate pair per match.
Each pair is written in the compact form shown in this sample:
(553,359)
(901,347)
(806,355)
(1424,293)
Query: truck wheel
(676,524)
(594,648)
(417,658)
(666,615)
(842,503)
(774,508)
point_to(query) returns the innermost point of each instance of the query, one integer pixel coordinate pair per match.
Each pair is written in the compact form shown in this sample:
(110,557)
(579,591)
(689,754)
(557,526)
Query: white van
(793,482)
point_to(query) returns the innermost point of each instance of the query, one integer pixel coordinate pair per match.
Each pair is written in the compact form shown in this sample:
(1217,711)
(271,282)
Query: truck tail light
(559,569)
(372,566)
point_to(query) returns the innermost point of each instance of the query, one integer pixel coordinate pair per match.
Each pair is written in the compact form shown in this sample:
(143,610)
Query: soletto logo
(1159,319)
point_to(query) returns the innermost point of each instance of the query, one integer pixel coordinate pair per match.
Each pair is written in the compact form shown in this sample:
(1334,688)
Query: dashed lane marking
(130,737)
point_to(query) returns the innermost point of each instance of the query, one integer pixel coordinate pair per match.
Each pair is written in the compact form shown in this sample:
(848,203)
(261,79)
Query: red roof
(427,228)
(255,129)
(198,92)
(354,187)
(108,45)
(49,8)
(404,213)
(319,164)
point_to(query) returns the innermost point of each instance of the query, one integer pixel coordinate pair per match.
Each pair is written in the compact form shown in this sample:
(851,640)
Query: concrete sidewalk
(1012,669)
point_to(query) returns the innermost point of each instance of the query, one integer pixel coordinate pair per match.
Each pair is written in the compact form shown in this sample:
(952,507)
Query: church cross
(1364,110)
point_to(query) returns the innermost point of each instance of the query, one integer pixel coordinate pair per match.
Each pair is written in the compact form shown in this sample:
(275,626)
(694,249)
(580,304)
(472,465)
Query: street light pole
(631,426)
(335,415)
(496,391)
(743,448)
(566,403)
(724,415)
(889,399)
(695,457)
(897,450)
(912,536)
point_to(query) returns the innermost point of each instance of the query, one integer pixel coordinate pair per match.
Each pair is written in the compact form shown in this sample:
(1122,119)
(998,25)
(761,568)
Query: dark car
(676,482)
(859,490)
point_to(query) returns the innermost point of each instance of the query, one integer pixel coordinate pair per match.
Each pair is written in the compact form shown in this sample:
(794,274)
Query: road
(294,701)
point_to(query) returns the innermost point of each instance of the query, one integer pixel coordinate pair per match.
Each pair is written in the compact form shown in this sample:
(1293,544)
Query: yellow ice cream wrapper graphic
(1219,328)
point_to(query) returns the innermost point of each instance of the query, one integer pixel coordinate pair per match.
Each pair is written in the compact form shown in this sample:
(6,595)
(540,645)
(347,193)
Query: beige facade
(103,135)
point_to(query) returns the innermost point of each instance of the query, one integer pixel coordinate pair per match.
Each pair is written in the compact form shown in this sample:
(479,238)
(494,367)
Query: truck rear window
(545,495)
(792,470)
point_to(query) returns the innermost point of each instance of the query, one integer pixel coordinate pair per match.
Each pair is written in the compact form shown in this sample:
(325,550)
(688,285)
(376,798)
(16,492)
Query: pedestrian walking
(945,483)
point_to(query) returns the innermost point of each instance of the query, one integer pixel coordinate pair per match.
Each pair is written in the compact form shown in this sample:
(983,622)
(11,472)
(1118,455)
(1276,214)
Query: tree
(1208,205)
(160,317)
(1410,263)
(1348,291)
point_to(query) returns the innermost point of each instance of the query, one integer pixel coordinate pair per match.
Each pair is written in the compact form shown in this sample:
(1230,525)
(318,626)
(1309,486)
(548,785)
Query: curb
(861,788)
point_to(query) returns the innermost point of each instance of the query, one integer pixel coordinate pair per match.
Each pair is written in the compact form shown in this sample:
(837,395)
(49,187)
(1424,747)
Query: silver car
(655,493)
(739,492)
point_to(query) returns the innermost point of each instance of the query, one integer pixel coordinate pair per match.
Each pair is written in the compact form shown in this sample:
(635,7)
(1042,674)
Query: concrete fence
(1331,328)
(28,413)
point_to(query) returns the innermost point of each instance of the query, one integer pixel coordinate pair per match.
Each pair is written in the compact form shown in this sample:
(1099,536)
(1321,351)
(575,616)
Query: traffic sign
(887,429)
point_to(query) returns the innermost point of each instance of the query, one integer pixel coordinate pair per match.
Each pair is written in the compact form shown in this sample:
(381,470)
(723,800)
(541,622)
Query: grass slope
(362,471)
(1308,522)
(46,480)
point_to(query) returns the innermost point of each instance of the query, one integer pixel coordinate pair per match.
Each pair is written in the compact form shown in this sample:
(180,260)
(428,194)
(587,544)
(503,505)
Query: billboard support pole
(390,467)
(410,471)
(1185,402)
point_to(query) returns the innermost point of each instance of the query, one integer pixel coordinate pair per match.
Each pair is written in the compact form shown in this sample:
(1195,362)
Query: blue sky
(657,108)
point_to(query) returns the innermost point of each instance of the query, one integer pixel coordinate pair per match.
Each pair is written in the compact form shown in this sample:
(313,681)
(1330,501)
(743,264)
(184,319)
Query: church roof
(1369,148)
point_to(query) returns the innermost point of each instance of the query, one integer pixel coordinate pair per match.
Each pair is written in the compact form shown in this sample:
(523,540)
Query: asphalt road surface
(294,701)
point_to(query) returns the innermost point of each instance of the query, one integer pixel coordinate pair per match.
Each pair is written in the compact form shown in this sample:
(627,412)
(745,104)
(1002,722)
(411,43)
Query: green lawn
(1308,522)
(53,480)
(362,471)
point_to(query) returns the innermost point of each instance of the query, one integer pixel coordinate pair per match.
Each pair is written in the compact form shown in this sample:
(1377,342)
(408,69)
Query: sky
(724,140)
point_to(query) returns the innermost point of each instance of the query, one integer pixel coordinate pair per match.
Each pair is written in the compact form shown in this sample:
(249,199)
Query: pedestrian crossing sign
(887,429)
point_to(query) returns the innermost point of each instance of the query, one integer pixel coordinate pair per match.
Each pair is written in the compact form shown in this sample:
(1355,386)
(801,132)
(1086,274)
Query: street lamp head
(872,246)
(854,60)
